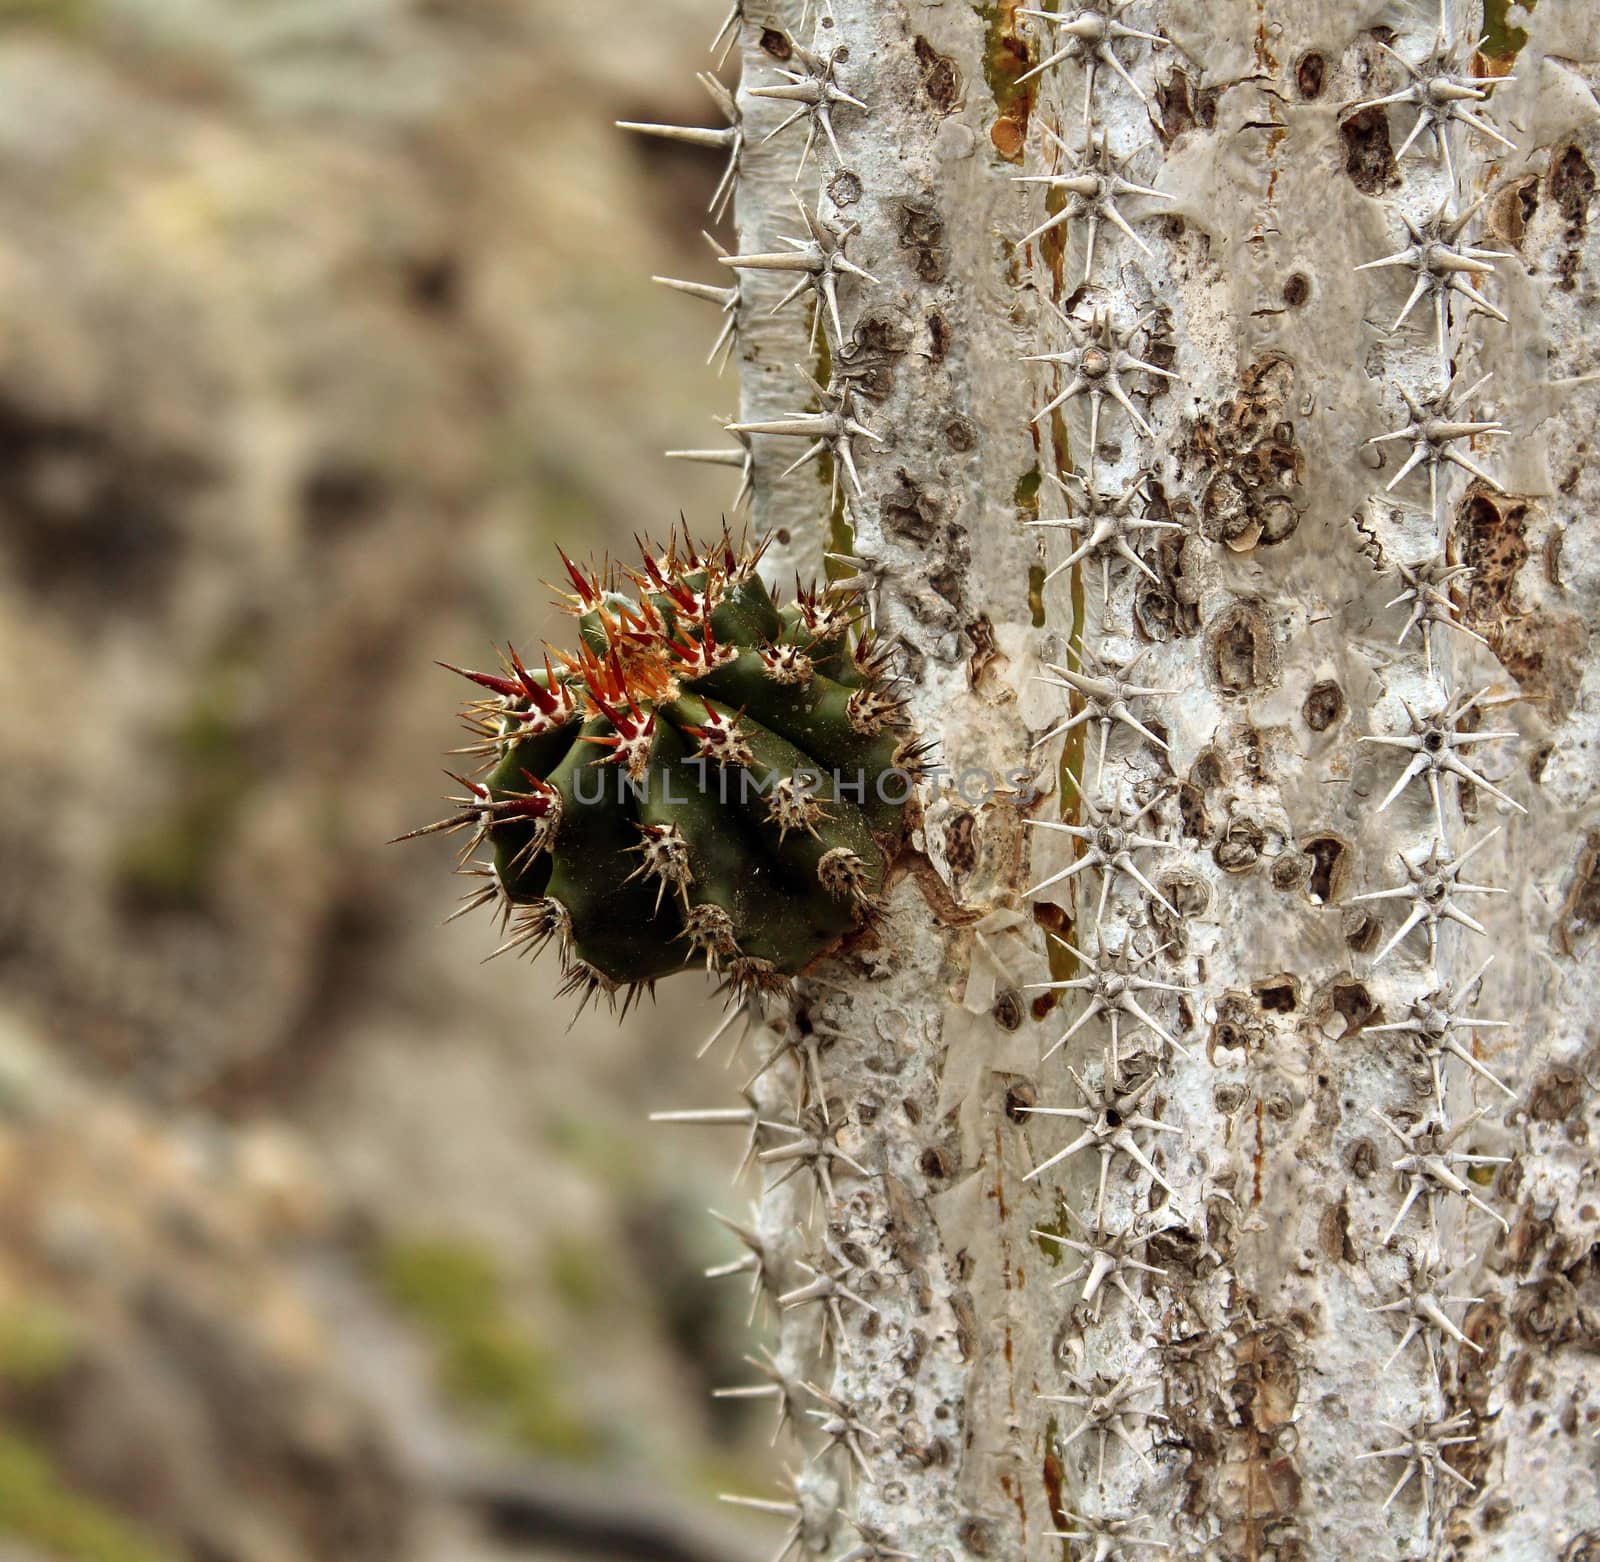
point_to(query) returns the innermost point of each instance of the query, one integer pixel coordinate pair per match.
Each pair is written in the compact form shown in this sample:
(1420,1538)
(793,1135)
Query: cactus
(1130,335)
(708,778)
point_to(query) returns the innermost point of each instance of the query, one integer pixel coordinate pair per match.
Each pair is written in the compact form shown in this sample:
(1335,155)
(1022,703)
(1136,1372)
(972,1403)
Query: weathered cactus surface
(708,778)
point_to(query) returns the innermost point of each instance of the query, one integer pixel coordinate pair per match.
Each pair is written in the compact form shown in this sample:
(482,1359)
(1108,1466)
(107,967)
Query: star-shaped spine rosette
(778,1383)
(1429,1170)
(1432,1023)
(1109,1412)
(1108,525)
(1089,185)
(641,809)
(1429,597)
(758,1261)
(1093,366)
(826,1289)
(1103,691)
(1434,429)
(1110,836)
(810,1147)
(1433,883)
(1107,1259)
(1113,985)
(1111,1119)
(1086,34)
(808,1512)
(813,86)
(728,138)
(844,1430)
(1111,1536)
(875,1544)
(1422,1446)
(1436,744)
(1441,95)
(819,260)
(833,429)
(1442,263)
(1423,1309)
(520,705)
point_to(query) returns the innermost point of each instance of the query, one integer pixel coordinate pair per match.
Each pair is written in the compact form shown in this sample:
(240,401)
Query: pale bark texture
(1249,1179)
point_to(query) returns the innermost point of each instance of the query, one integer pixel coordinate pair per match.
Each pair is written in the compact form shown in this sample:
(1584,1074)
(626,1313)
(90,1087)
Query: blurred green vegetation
(487,1357)
(64,15)
(578,1274)
(37,1343)
(169,863)
(41,1511)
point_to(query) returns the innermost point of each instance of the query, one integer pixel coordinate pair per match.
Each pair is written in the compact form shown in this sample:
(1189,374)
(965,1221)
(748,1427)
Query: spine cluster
(1439,736)
(1128,956)
(1119,971)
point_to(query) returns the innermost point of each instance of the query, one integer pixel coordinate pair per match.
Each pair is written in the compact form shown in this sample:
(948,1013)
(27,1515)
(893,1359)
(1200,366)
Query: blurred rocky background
(322,322)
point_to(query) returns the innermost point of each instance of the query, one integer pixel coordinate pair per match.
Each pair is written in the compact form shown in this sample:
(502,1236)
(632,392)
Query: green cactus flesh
(709,779)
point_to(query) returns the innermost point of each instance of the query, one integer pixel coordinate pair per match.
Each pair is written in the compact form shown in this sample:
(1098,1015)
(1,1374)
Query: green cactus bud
(709,779)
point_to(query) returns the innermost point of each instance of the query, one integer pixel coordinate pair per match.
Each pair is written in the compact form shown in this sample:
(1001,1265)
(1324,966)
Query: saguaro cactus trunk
(1197,1157)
